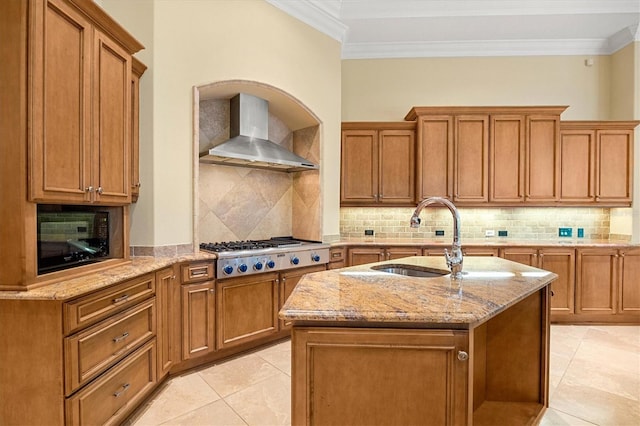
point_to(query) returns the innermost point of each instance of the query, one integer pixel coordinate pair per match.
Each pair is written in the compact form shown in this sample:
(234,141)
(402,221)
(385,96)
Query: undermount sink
(410,270)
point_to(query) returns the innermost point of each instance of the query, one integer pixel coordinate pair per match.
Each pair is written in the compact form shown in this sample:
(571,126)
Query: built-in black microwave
(70,236)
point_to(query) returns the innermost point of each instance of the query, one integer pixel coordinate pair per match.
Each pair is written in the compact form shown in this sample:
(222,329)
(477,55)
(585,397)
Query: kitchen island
(372,347)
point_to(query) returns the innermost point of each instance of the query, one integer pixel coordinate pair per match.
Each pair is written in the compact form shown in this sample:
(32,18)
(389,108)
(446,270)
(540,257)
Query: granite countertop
(358,294)
(483,242)
(74,287)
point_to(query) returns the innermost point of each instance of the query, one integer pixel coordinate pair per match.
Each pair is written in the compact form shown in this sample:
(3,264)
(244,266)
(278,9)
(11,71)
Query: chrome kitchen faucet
(454,260)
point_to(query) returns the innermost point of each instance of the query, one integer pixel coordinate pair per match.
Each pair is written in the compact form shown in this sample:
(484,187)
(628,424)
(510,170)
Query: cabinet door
(137,69)
(397,167)
(629,302)
(560,261)
(596,278)
(166,286)
(435,156)
(400,252)
(524,255)
(247,309)
(198,307)
(359,180)
(479,251)
(577,162)
(542,158)
(111,121)
(614,154)
(364,255)
(337,258)
(288,281)
(363,376)
(506,159)
(471,158)
(60,81)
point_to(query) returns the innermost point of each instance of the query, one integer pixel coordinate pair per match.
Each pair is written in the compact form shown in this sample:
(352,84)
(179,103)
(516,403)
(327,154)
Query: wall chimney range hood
(248,145)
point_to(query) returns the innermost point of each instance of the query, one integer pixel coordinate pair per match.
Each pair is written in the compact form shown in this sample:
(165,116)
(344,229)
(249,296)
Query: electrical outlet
(490,233)
(368,232)
(565,232)
(439,233)
(502,233)
(580,232)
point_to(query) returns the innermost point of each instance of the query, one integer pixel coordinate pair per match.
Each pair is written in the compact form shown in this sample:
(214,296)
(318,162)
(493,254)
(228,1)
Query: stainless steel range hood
(249,145)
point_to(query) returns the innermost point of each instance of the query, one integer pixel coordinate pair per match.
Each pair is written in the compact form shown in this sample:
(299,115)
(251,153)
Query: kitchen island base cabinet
(494,373)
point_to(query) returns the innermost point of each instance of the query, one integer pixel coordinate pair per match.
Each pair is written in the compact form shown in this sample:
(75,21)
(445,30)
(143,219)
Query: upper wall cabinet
(378,164)
(597,162)
(137,69)
(495,155)
(80,115)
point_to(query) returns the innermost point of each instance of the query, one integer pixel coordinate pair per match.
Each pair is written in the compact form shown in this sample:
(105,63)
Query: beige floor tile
(596,406)
(558,365)
(558,418)
(215,414)
(612,379)
(265,403)
(279,356)
(618,337)
(181,395)
(237,374)
(599,352)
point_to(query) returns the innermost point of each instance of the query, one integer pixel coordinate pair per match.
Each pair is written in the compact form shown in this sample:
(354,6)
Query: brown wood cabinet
(558,260)
(198,319)
(607,286)
(67,68)
(137,69)
(246,309)
(168,317)
(337,257)
(597,162)
(488,155)
(363,255)
(378,164)
(80,141)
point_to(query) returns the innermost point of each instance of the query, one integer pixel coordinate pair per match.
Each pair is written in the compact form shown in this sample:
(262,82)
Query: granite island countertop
(360,295)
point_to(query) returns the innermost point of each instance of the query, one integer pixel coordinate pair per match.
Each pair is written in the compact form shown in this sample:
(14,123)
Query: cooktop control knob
(228,269)
(271,264)
(315,257)
(295,260)
(242,267)
(257,266)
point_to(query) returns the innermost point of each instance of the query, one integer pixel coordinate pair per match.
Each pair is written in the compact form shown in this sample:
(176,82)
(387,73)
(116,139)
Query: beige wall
(199,42)
(385,89)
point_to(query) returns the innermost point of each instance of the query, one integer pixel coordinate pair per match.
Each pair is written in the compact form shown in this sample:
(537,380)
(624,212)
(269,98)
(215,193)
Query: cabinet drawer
(91,351)
(109,399)
(90,309)
(195,272)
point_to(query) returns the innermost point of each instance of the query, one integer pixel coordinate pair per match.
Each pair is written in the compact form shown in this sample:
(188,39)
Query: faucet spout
(454,259)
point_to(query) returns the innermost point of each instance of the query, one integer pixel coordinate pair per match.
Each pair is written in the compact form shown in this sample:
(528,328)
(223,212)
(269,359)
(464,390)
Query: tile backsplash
(520,223)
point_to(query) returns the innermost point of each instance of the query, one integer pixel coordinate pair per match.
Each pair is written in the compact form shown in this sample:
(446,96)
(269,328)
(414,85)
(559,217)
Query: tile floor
(594,380)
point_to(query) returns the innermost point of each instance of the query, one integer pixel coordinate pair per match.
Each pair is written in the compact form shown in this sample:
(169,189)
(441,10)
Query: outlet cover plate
(439,233)
(565,232)
(502,233)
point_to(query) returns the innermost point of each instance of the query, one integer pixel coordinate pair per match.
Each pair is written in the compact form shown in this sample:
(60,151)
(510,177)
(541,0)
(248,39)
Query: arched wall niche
(236,203)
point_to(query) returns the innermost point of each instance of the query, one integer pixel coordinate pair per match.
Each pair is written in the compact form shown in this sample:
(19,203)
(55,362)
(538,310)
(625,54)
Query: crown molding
(321,15)
(476,48)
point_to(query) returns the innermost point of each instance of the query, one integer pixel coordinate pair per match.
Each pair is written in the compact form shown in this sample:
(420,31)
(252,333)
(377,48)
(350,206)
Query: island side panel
(511,364)
(379,376)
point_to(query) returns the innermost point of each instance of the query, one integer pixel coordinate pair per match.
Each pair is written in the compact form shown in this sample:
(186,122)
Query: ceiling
(447,28)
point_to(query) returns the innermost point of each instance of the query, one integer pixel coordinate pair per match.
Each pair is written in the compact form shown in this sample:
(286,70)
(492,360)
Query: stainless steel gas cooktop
(240,258)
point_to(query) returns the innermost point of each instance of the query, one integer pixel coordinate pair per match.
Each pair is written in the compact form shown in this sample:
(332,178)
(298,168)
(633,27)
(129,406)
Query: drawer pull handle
(199,273)
(336,254)
(122,298)
(120,392)
(120,338)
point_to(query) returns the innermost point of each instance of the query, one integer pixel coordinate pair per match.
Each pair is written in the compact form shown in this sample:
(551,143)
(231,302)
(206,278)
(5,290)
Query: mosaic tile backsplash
(520,223)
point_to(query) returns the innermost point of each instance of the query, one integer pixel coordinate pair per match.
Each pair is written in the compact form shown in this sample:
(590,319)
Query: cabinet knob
(552,293)
(463,356)
(99,190)
(89,188)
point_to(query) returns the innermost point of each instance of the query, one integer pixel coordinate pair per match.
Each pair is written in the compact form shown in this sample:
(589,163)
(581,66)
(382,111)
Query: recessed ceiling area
(448,28)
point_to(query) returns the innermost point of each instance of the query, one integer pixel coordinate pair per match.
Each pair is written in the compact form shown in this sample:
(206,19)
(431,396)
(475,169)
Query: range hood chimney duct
(249,145)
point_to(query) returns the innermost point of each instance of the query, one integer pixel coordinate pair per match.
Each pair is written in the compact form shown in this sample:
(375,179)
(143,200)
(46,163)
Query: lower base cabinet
(247,309)
(494,373)
(198,319)
(288,281)
(112,397)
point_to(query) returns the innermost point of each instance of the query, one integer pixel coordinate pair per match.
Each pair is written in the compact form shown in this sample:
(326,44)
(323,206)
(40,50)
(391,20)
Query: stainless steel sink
(410,270)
